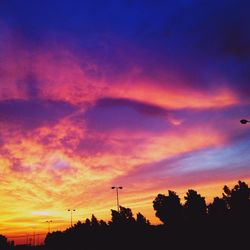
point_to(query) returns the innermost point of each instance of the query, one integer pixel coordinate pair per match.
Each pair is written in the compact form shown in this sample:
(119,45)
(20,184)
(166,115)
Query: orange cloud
(178,97)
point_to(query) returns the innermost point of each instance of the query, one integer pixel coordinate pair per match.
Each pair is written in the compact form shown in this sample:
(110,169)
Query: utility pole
(34,238)
(49,221)
(71,216)
(117,196)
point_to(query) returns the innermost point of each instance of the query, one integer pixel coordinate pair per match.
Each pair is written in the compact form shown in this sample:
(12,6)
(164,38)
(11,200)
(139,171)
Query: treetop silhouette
(220,224)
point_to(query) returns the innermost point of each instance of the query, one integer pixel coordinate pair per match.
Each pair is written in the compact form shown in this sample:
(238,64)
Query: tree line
(192,224)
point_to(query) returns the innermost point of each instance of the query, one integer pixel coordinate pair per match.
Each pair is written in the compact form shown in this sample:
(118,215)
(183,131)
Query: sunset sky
(142,94)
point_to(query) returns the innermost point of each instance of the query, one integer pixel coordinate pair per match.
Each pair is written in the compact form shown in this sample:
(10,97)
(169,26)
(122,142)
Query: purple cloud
(125,114)
(31,114)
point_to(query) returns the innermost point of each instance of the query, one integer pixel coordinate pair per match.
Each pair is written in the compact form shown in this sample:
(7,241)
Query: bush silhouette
(141,220)
(195,208)
(3,242)
(168,208)
(220,225)
(238,199)
(123,217)
(218,209)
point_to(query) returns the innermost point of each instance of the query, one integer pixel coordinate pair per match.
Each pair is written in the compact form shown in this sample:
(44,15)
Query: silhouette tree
(218,209)
(55,240)
(3,242)
(87,222)
(238,199)
(94,222)
(141,220)
(195,206)
(168,208)
(123,217)
(228,218)
(103,223)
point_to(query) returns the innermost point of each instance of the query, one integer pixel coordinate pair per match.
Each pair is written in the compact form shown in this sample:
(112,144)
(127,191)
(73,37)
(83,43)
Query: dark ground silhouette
(223,224)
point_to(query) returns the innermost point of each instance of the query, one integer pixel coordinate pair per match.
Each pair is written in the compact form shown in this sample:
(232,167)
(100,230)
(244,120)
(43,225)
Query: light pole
(34,237)
(117,197)
(49,221)
(71,212)
(244,121)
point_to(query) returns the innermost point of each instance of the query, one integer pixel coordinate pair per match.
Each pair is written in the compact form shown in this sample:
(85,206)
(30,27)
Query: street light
(244,121)
(34,236)
(71,211)
(48,221)
(117,197)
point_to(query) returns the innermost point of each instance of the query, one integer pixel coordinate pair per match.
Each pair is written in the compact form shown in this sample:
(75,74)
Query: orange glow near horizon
(34,222)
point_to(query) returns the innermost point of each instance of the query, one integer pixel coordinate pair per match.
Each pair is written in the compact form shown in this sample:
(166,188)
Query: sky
(147,95)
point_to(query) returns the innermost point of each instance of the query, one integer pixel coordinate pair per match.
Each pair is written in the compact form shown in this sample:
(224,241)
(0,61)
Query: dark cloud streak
(144,108)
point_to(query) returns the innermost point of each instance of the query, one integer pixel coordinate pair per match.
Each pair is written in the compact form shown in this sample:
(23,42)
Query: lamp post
(49,221)
(71,212)
(244,121)
(34,237)
(117,197)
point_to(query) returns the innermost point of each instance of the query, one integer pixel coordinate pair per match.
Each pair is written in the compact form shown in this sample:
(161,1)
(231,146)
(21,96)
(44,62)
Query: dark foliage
(195,208)
(193,225)
(3,242)
(218,210)
(189,225)
(168,208)
(237,200)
